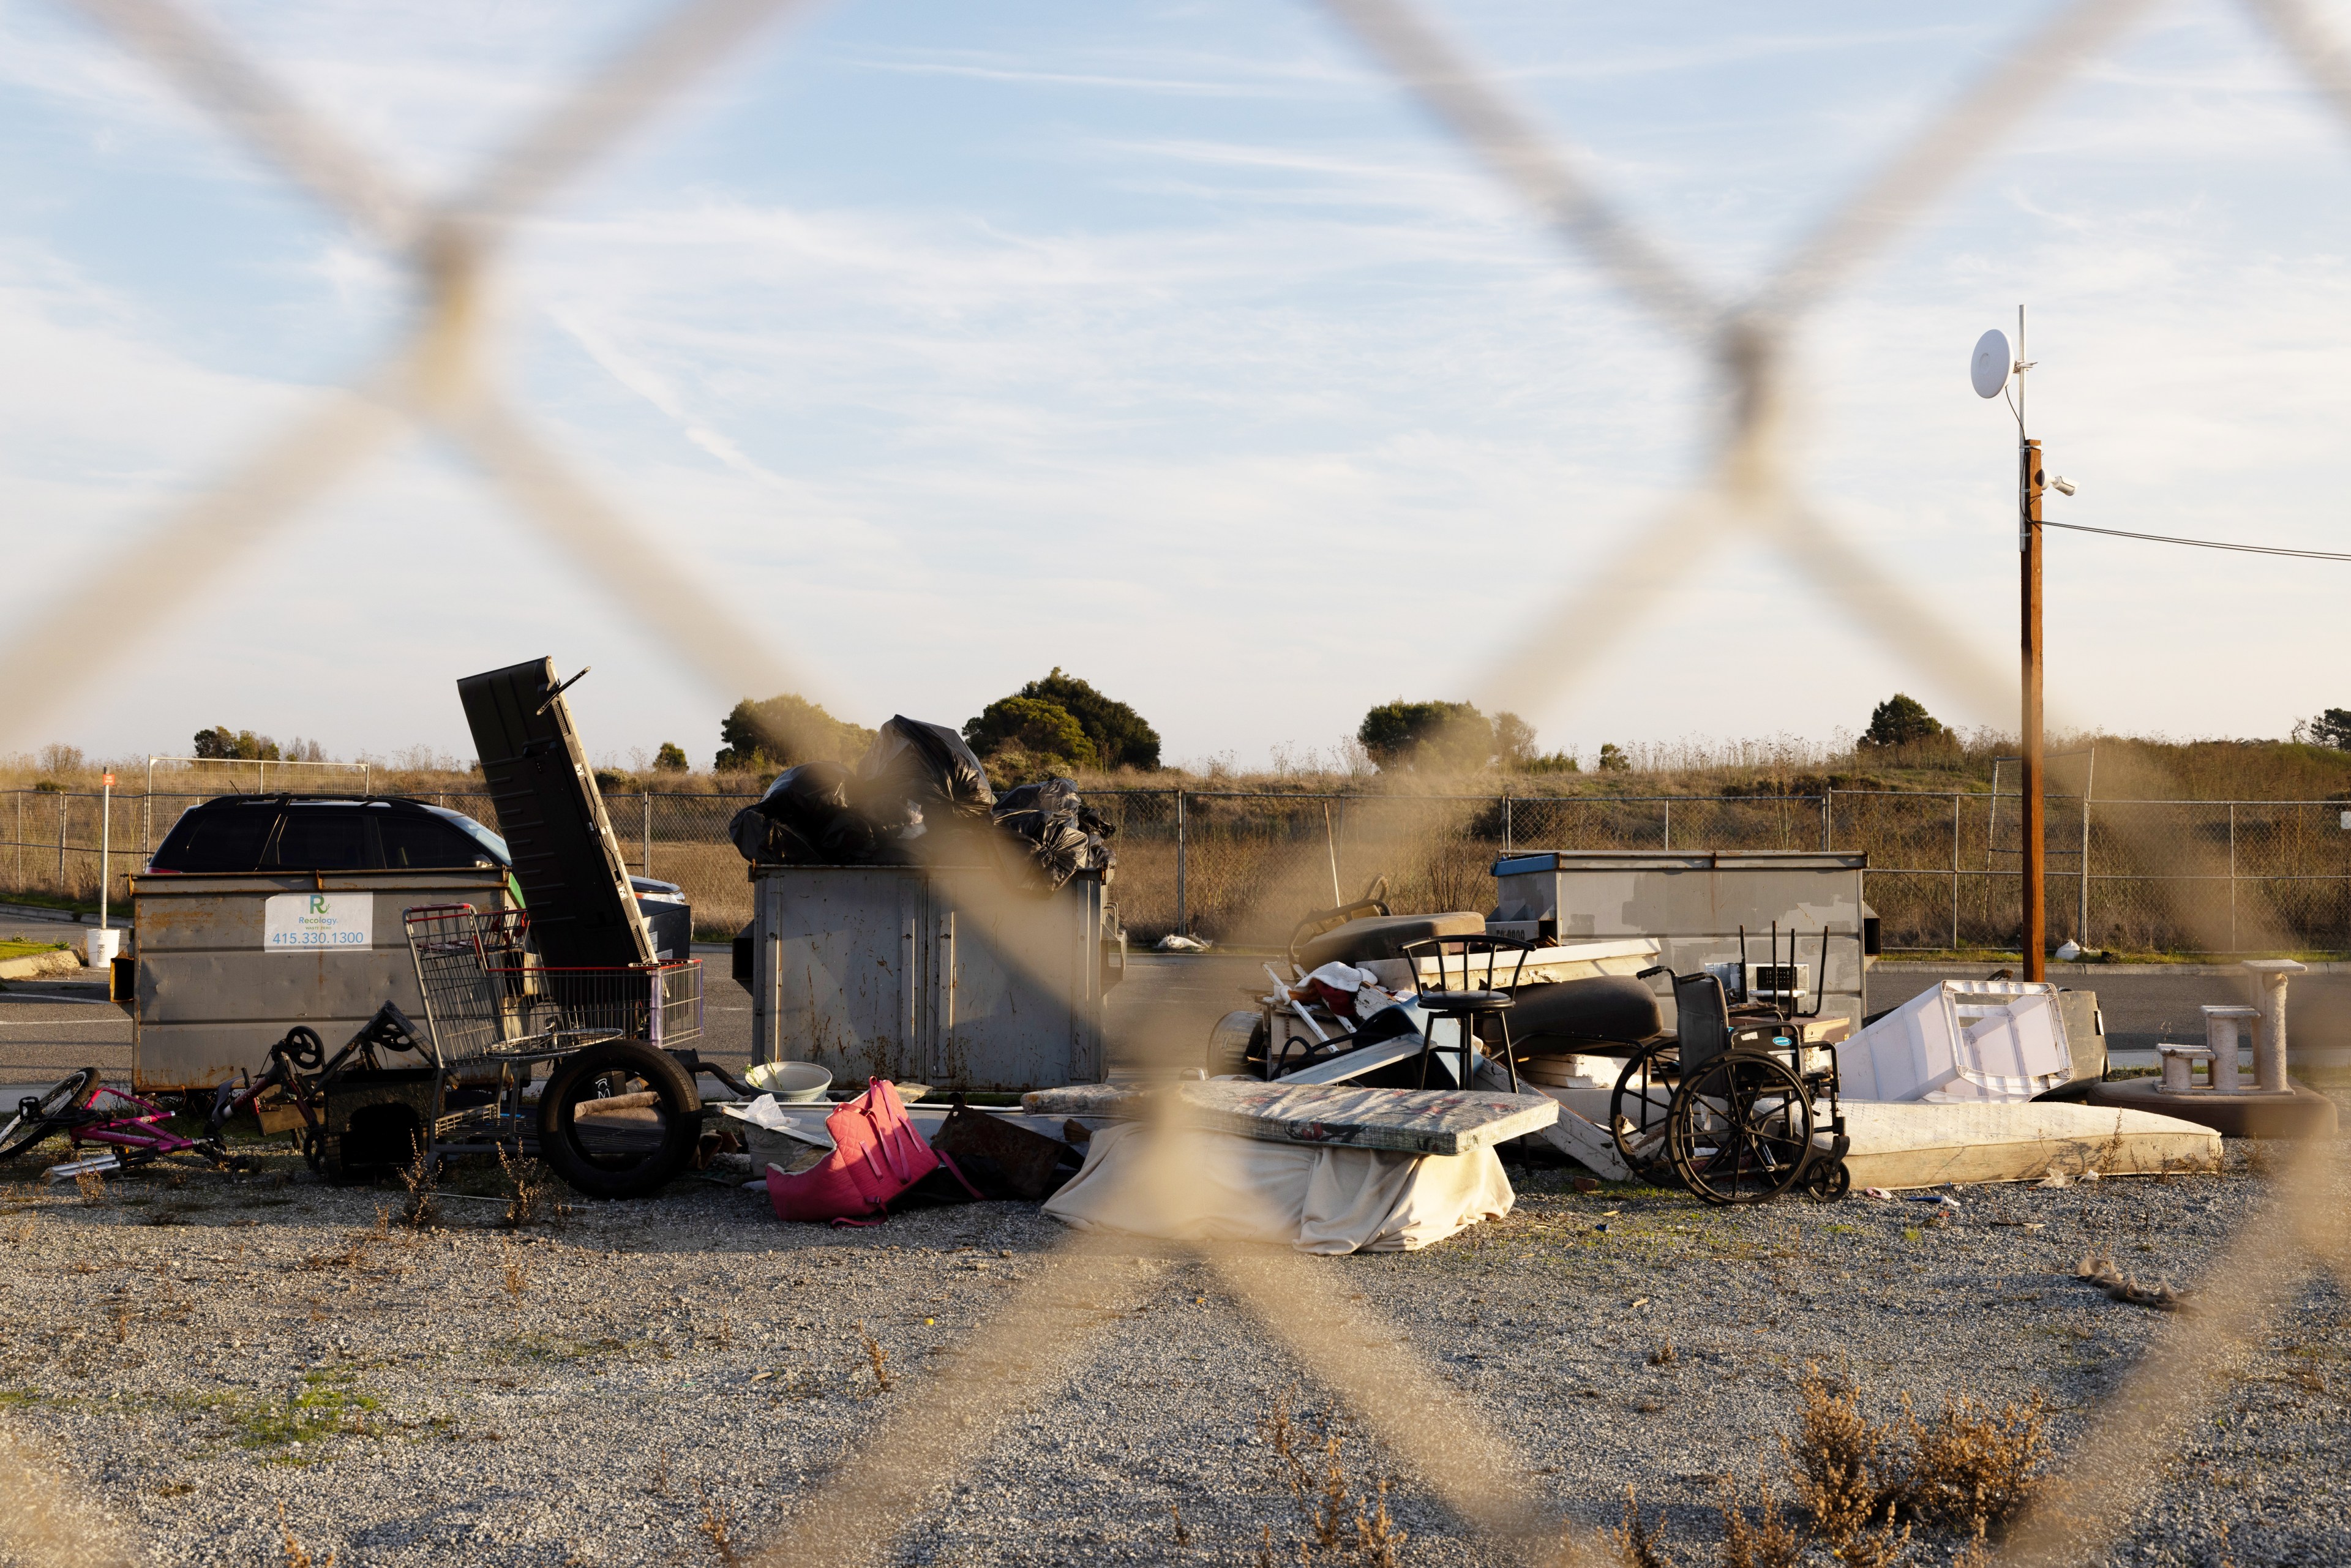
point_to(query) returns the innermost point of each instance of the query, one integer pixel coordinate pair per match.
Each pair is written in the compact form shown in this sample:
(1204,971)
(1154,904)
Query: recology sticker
(305,922)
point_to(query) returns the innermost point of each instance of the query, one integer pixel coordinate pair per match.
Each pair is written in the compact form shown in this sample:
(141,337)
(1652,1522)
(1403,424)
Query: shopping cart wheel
(642,1118)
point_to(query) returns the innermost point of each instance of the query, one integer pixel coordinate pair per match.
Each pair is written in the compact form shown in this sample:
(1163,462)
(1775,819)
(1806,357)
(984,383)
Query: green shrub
(1045,733)
(783,732)
(1431,737)
(1120,737)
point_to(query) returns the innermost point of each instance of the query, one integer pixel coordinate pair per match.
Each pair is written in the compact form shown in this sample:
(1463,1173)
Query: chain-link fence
(2215,876)
(2206,874)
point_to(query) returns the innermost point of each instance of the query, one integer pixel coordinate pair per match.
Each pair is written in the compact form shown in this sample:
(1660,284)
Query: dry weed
(1878,1548)
(878,1357)
(422,1207)
(1664,1354)
(297,1555)
(1183,1537)
(715,1528)
(1769,1542)
(1378,1543)
(1634,1546)
(659,1485)
(515,1281)
(90,1186)
(529,1193)
(1347,1527)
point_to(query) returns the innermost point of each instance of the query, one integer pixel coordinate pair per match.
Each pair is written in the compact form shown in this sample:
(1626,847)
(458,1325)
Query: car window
(226,838)
(321,838)
(419,841)
(490,841)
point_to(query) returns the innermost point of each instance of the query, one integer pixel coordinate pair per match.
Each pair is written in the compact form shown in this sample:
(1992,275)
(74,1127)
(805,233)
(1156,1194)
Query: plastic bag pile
(919,797)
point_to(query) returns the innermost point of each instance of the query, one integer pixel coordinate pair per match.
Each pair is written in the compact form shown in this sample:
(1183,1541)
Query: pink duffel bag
(877,1153)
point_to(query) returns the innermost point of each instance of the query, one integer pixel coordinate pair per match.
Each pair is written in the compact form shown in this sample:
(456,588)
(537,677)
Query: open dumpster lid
(583,911)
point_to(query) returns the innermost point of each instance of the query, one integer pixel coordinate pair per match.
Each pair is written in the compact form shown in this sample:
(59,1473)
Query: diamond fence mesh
(2208,875)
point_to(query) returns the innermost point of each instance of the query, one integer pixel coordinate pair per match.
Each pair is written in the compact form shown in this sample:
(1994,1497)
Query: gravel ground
(195,1353)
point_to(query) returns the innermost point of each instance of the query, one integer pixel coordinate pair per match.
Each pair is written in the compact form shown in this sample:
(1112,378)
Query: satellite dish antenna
(1992,365)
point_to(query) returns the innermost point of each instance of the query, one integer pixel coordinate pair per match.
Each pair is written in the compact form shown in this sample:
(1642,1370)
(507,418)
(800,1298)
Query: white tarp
(1188,1184)
(1962,1040)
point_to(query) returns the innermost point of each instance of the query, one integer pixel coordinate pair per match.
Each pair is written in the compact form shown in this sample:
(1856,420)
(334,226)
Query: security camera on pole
(1993,366)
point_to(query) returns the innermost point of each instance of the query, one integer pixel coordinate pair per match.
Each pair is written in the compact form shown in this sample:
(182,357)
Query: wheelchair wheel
(1827,1181)
(1639,1111)
(1739,1129)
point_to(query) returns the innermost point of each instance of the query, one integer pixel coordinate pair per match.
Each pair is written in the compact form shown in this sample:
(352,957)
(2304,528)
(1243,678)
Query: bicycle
(130,1129)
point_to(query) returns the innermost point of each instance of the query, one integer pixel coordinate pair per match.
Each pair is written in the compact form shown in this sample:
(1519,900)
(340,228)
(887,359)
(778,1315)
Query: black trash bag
(1062,835)
(762,839)
(925,765)
(810,803)
(1047,795)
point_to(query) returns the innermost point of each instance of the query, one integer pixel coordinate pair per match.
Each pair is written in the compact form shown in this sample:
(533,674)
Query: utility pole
(2030,477)
(2036,909)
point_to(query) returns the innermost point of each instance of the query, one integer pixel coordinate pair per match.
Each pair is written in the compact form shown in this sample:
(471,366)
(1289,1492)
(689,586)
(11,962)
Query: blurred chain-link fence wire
(438,379)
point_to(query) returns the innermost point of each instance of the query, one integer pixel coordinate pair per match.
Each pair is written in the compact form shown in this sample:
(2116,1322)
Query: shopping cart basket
(619,1113)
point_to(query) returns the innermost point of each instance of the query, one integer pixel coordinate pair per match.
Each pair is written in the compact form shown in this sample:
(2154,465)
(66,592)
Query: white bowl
(795,1082)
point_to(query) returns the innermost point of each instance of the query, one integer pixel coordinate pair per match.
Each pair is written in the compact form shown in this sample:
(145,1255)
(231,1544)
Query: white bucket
(794,1082)
(101,948)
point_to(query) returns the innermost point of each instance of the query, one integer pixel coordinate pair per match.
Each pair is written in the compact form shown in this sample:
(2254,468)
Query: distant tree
(1045,733)
(223,744)
(1902,720)
(1514,740)
(671,758)
(1120,735)
(1430,736)
(2332,727)
(783,732)
(1612,759)
(58,758)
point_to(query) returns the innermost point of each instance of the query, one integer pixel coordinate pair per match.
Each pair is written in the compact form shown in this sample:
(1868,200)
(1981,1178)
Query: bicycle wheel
(1739,1129)
(1639,1111)
(37,1116)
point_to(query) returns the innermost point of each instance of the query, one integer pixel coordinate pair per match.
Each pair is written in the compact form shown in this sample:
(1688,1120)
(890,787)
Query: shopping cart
(619,1113)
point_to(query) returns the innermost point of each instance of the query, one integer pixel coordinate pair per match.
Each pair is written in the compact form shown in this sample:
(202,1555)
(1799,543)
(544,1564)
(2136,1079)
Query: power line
(2201,544)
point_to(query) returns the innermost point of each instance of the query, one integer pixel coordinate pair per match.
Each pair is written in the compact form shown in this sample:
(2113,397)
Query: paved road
(1165,1008)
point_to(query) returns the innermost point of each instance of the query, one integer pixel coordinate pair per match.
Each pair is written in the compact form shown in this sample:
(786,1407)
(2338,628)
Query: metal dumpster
(1694,902)
(931,975)
(227,963)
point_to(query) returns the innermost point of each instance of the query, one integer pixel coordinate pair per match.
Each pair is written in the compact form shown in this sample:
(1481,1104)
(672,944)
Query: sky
(1176,346)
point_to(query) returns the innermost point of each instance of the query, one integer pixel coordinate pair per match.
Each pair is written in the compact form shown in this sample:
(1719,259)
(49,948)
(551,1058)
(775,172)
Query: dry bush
(1769,1542)
(1973,1470)
(1837,1460)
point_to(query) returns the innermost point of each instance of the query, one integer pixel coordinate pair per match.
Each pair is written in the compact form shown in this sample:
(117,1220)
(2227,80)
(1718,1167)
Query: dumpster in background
(1694,905)
(931,975)
(227,962)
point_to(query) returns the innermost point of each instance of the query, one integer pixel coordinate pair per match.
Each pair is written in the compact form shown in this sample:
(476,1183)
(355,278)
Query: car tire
(617,1156)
